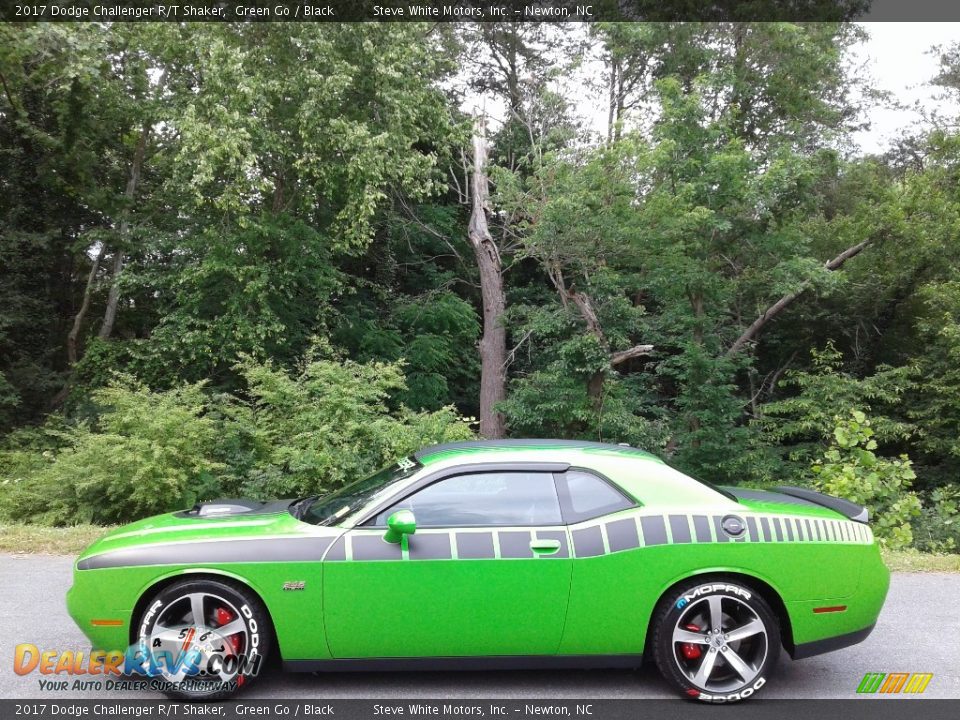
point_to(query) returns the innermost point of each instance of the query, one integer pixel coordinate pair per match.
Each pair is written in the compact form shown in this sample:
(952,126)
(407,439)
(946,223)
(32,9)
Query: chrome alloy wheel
(199,630)
(720,643)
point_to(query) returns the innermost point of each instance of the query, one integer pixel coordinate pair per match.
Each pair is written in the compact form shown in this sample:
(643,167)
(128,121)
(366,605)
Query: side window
(585,496)
(483,499)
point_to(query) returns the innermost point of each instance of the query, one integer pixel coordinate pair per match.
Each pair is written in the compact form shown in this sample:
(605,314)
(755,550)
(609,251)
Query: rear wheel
(715,640)
(203,639)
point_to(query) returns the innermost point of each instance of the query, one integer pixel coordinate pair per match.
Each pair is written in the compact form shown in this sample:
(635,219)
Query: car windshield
(329,509)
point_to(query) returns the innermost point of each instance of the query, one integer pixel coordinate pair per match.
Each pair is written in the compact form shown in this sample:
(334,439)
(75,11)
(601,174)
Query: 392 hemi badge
(294,585)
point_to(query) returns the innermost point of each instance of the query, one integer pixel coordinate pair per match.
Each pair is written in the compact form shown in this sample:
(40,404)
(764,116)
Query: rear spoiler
(844,507)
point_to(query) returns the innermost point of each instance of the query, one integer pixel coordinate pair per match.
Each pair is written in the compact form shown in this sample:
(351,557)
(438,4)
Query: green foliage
(935,402)
(429,333)
(938,529)
(850,469)
(146,453)
(330,424)
(297,287)
(795,425)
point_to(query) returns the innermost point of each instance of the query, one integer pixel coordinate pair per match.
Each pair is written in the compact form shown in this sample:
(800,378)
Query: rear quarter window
(586,496)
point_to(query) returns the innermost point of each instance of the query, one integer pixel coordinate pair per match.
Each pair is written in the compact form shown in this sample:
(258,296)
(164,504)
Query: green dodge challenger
(498,554)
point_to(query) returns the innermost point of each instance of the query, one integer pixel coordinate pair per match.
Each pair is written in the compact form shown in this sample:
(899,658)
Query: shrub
(938,529)
(147,452)
(850,469)
(332,424)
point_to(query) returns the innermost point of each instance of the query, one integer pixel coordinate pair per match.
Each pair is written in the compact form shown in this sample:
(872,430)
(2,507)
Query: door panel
(448,593)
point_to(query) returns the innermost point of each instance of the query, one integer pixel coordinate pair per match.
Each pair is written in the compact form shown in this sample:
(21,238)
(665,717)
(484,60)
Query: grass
(915,561)
(21,538)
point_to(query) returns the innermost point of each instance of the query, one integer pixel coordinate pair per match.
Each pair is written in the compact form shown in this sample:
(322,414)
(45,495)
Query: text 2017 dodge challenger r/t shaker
(500,554)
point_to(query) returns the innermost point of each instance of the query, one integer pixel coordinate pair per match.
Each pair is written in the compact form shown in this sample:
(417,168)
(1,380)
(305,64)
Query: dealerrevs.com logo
(195,660)
(894,683)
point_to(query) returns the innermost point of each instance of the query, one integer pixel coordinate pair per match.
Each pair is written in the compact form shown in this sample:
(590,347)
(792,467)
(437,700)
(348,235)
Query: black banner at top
(474,10)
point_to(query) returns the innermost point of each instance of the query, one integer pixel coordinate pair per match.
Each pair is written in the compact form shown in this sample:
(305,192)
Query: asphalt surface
(917,632)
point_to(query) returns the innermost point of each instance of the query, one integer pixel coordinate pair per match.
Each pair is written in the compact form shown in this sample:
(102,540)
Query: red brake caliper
(224,616)
(689,650)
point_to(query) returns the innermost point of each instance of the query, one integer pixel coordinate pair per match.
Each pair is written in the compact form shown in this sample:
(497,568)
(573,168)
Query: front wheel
(715,640)
(202,639)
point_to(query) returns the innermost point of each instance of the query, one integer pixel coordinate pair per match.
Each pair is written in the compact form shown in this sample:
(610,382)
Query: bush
(850,469)
(147,452)
(938,529)
(332,424)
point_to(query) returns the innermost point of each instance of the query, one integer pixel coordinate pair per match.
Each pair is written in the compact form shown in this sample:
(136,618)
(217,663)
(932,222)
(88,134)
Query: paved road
(917,632)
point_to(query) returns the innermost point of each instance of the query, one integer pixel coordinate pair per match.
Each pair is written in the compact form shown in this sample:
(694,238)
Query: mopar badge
(294,585)
(732,525)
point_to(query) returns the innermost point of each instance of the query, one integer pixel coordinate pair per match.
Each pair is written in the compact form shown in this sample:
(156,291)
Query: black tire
(167,622)
(728,666)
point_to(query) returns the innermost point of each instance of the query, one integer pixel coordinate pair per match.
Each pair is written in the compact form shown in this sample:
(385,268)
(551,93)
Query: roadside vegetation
(266,259)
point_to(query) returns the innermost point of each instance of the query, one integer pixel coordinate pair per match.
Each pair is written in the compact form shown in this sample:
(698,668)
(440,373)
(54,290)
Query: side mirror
(399,524)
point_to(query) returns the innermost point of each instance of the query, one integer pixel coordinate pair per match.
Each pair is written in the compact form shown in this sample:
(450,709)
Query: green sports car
(497,554)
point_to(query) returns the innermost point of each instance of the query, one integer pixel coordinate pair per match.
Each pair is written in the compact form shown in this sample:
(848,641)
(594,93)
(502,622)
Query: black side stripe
(680,528)
(475,546)
(654,530)
(558,535)
(514,544)
(752,529)
(702,527)
(374,547)
(765,527)
(588,542)
(431,546)
(622,535)
(220,551)
(338,551)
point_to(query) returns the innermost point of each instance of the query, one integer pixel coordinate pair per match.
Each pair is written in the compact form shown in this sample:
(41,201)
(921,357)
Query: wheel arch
(767,591)
(165,581)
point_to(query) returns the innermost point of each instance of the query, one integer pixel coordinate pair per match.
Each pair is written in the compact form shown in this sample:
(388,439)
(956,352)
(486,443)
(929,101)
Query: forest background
(266,260)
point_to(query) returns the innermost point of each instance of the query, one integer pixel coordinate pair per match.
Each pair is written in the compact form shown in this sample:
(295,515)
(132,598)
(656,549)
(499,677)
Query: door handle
(545,547)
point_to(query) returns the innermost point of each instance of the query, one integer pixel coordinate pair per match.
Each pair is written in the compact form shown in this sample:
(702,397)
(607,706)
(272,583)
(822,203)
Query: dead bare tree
(493,343)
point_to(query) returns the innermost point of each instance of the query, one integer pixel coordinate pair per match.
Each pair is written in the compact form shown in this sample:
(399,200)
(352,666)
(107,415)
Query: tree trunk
(78,319)
(771,312)
(584,305)
(493,344)
(612,101)
(113,298)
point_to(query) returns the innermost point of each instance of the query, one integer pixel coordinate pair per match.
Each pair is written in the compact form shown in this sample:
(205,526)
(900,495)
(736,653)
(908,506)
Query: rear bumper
(818,647)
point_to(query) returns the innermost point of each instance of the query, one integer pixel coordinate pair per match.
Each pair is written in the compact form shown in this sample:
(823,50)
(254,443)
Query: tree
(493,343)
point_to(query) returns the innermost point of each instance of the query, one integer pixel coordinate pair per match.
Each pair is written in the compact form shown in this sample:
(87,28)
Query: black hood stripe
(303,549)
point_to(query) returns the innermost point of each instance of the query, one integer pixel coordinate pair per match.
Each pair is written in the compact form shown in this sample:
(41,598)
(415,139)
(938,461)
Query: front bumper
(90,602)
